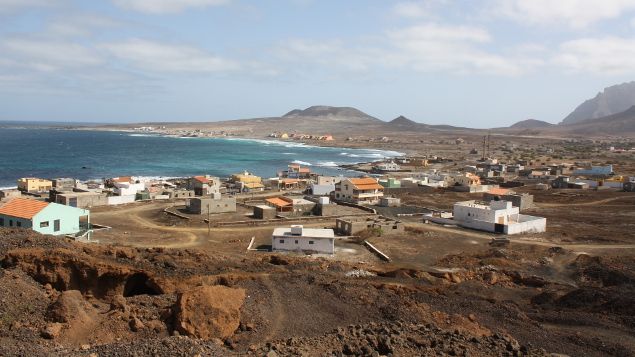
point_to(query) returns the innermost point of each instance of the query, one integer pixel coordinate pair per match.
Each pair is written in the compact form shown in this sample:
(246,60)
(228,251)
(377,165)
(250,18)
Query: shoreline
(342,144)
(382,154)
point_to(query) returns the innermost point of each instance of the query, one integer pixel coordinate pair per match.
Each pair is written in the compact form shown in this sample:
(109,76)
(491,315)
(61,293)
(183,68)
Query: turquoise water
(84,155)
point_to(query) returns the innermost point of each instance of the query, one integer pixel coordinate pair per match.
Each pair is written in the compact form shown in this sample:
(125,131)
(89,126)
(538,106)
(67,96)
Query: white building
(298,238)
(127,186)
(388,166)
(497,216)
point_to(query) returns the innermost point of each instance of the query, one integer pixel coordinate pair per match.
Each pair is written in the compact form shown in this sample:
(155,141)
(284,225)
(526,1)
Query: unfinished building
(353,225)
(213,205)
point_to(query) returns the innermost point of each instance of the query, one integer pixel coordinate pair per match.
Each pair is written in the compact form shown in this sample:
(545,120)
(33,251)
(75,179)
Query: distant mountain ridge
(612,100)
(620,124)
(531,124)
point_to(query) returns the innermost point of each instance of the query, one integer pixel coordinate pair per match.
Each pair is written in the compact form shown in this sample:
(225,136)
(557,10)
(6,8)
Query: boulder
(71,307)
(208,312)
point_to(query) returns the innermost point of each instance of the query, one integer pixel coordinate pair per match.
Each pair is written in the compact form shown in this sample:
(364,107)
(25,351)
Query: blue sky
(484,63)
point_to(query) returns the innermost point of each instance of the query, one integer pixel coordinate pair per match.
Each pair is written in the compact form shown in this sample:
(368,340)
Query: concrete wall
(527,224)
(352,226)
(120,200)
(291,243)
(82,200)
(322,190)
(265,212)
(201,205)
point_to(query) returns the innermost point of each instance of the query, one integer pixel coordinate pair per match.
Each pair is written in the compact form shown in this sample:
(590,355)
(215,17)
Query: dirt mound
(398,339)
(600,272)
(208,312)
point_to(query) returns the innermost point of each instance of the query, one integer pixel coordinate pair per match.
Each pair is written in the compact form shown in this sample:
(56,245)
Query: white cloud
(572,13)
(455,49)
(607,55)
(422,48)
(47,54)
(161,57)
(416,9)
(411,9)
(166,6)
(7,6)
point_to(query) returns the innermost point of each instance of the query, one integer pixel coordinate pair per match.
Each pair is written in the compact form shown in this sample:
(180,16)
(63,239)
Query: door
(499,228)
(56,225)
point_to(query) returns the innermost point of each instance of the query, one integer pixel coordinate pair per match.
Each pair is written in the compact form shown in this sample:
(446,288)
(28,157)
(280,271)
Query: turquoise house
(390,182)
(43,217)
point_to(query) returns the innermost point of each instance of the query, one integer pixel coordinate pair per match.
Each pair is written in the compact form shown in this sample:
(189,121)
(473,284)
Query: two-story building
(364,190)
(204,185)
(34,185)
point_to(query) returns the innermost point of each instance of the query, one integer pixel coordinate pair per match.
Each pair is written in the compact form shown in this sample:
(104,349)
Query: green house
(43,217)
(390,182)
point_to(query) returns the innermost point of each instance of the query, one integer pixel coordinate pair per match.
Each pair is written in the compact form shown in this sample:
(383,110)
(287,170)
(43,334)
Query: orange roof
(366,183)
(498,191)
(201,179)
(304,169)
(122,179)
(278,202)
(22,208)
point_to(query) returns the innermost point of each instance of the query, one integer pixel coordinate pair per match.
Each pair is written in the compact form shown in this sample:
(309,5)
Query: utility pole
(483,152)
(488,137)
(208,221)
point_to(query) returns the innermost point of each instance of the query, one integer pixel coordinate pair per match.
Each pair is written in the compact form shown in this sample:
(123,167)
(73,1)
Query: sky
(474,63)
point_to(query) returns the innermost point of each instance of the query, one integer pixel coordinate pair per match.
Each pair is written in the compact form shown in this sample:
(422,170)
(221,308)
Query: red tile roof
(201,179)
(22,208)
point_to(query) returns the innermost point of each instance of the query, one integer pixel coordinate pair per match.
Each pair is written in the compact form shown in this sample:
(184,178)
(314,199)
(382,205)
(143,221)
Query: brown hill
(531,124)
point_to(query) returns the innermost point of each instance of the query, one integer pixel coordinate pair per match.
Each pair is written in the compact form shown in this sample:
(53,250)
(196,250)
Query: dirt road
(488,236)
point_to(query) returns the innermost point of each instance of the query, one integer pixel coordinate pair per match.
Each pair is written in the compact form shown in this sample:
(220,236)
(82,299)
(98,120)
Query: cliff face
(612,100)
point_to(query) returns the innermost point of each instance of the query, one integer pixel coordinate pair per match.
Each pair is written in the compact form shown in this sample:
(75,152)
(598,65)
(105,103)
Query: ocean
(85,155)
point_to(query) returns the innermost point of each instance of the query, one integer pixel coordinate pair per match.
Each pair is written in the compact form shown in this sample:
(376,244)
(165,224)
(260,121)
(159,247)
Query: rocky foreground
(64,298)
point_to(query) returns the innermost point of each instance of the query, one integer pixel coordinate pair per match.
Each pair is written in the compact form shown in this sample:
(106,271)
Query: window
(18,223)
(56,225)
(281,241)
(310,242)
(44,224)
(10,223)
(296,241)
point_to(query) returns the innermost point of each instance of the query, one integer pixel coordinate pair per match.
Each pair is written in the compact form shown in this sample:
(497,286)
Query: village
(373,214)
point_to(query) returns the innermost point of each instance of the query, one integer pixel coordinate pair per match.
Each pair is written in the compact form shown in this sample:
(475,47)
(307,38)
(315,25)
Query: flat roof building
(298,238)
(498,217)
